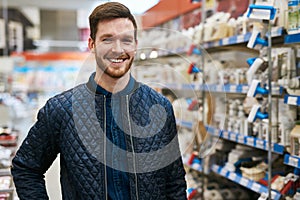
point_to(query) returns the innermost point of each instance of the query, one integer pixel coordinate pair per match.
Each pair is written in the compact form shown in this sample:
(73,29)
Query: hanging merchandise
(261,10)
(256,40)
(255,64)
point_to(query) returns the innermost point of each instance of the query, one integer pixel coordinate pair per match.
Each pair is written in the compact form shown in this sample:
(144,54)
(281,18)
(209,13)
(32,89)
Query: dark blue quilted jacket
(72,124)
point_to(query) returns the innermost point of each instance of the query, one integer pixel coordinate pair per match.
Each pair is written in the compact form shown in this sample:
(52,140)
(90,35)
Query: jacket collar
(94,87)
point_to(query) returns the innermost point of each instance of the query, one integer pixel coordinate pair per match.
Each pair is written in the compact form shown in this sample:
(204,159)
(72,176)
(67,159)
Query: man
(116,137)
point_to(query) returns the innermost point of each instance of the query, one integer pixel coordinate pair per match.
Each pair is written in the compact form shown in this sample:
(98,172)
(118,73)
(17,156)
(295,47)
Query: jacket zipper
(132,146)
(105,170)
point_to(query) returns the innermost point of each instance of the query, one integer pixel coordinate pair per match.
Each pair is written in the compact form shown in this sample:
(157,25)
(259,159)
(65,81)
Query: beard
(111,71)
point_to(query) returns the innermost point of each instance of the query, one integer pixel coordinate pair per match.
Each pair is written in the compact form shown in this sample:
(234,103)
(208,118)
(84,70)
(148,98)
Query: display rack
(277,37)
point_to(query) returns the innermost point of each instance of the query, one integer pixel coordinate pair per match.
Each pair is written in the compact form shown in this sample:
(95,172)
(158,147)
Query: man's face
(114,46)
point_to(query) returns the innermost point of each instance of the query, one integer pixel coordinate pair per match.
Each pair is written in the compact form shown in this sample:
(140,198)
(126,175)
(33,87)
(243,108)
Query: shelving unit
(237,137)
(276,38)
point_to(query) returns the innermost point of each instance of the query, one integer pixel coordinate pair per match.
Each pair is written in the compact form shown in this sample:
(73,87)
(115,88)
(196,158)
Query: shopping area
(229,67)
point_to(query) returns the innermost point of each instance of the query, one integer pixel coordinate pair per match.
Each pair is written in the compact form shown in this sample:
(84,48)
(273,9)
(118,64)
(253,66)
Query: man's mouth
(116,60)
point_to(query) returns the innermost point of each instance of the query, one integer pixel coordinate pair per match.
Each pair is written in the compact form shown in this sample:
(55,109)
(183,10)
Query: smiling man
(116,137)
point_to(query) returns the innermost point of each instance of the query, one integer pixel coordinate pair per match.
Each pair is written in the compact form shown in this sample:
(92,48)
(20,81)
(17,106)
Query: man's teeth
(116,60)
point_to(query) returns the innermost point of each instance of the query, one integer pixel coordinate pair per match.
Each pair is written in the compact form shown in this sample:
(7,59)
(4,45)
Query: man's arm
(34,157)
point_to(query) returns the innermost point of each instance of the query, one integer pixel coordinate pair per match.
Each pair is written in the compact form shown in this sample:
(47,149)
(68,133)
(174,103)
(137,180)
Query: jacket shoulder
(65,98)
(153,95)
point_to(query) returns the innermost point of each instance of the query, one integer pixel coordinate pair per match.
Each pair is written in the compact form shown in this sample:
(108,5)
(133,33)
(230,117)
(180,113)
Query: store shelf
(184,124)
(250,184)
(293,161)
(291,99)
(179,50)
(237,39)
(293,38)
(228,88)
(246,140)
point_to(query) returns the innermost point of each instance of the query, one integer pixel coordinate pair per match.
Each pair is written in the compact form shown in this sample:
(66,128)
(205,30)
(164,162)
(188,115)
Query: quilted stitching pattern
(72,124)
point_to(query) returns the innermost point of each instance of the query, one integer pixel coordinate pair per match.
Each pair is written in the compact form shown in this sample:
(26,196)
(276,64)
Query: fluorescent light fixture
(143,56)
(153,54)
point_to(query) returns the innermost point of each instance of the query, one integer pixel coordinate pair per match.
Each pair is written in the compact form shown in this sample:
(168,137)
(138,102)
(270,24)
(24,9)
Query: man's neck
(110,84)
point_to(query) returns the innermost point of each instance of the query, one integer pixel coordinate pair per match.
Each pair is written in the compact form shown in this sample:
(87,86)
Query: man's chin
(115,75)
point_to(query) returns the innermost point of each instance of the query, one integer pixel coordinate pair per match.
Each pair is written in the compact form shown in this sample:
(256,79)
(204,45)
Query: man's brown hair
(109,11)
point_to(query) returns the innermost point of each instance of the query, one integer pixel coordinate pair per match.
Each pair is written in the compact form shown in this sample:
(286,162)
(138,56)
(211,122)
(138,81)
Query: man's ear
(91,45)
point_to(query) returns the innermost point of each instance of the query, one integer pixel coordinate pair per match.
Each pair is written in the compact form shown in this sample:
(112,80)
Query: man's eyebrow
(106,35)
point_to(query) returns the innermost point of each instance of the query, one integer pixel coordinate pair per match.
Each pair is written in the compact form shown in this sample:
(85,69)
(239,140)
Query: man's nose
(117,46)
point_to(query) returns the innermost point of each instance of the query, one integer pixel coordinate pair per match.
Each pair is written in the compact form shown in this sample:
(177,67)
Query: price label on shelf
(233,88)
(220,88)
(292,100)
(250,141)
(225,134)
(215,168)
(293,161)
(244,182)
(245,89)
(217,132)
(241,139)
(240,38)
(260,144)
(223,172)
(273,194)
(256,187)
(225,41)
(232,137)
(232,176)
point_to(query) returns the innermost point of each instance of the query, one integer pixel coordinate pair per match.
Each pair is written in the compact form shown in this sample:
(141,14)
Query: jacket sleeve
(35,156)
(176,183)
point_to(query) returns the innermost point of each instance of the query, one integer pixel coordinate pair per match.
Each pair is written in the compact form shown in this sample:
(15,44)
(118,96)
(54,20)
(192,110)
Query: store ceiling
(52,4)
(136,6)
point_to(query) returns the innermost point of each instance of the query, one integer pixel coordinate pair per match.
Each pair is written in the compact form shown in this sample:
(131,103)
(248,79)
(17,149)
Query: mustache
(117,56)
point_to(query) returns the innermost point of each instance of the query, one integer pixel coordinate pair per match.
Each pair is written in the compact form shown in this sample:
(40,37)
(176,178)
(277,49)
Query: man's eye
(107,40)
(127,41)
